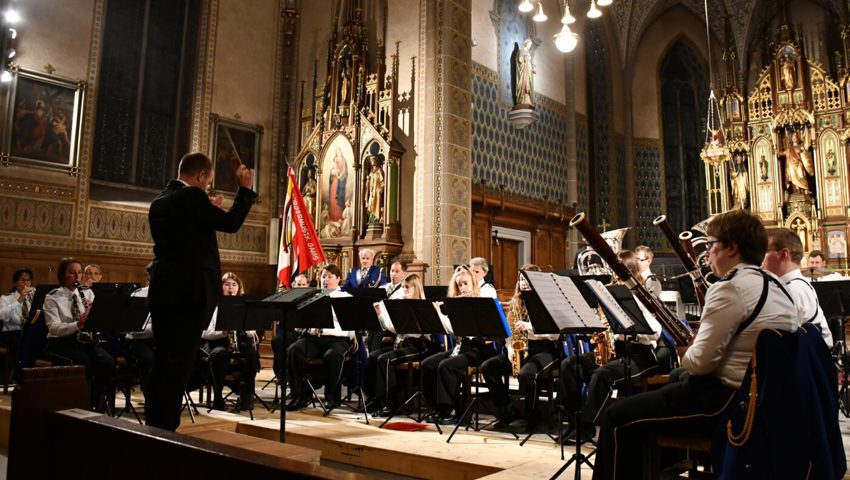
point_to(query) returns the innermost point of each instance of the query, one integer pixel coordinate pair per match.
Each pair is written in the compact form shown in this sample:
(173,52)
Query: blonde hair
(454,291)
(416,282)
(232,276)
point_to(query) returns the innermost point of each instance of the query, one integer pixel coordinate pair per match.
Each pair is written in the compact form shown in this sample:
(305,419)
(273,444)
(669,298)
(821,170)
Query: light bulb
(526,6)
(5,77)
(566,40)
(568,17)
(593,12)
(604,3)
(540,16)
(12,16)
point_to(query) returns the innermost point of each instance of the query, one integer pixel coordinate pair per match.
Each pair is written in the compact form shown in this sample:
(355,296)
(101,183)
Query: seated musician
(14,310)
(367,275)
(329,344)
(284,338)
(93,273)
(542,353)
(140,344)
(479,267)
(65,312)
(784,253)
(443,372)
(603,377)
(383,342)
(650,281)
(408,348)
(220,347)
(818,269)
(716,359)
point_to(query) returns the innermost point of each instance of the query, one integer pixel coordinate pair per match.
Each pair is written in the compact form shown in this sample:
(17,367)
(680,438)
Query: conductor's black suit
(185,287)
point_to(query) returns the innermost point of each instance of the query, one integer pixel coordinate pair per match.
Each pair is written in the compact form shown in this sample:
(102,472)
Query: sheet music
(557,290)
(612,307)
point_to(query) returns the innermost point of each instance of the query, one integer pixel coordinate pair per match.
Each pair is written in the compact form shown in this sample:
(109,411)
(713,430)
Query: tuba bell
(588,262)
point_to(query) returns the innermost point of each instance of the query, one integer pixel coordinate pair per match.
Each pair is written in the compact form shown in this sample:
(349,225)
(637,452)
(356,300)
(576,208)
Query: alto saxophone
(519,339)
(603,341)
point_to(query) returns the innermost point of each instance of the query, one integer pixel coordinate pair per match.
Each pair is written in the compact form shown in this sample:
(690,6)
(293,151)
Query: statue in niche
(345,82)
(374,189)
(798,161)
(740,182)
(763,168)
(523,74)
(308,191)
(831,165)
(789,72)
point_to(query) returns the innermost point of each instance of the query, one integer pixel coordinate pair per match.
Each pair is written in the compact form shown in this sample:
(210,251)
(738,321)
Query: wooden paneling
(481,237)
(505,263)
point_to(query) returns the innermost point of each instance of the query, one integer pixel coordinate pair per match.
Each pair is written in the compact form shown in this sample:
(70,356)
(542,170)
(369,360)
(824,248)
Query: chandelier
(565,40)
(715,150)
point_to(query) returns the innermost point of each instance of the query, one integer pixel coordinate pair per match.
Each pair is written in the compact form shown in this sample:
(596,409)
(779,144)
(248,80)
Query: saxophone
(519,339)
(603,341)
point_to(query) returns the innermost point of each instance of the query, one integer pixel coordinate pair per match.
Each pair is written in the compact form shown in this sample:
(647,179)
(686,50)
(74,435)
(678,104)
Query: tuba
(683,248)
(584,261)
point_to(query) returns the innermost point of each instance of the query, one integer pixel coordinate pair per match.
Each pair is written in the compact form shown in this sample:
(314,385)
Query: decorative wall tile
(249,238)
(459,222)
(459,252)
(118,225)
(30,216)
(581,160)
(648,190)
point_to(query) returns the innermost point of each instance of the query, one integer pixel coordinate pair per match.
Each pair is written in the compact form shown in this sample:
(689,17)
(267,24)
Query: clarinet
(682,335)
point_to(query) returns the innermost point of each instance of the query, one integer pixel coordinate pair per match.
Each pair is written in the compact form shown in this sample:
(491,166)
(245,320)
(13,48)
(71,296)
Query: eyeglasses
(643,259)
(709,244)
(25,280)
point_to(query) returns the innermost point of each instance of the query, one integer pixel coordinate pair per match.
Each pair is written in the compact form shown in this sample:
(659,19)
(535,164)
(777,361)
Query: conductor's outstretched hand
(245,177)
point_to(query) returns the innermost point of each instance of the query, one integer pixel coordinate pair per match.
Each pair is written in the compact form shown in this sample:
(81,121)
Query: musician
(650,281)
(479,267)
(93,273)
(408,348)
(543,351)
(784,253)
(603,378)
(140,344)
(443,372)
(283,339)
(329,344)
(14,311)
(817,262)
(65,312)
(220,349)
(367,275)
(398,272)
(716,359)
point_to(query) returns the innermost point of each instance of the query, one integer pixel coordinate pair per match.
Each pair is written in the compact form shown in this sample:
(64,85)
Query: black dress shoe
(384,412)
(447,418)
(219,404)
(582,435)
(246,405)
(297,404)
(331,404)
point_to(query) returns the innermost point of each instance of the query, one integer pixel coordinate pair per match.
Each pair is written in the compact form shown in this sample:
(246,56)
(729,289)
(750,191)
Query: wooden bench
(255,444)
(681,442)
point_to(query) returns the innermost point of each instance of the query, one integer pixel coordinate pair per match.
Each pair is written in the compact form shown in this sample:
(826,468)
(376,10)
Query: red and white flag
(299,244)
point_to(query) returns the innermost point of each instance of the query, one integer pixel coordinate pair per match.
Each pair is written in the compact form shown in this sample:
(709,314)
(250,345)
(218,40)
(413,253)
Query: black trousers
(11,339)
(142,352)
(542,355)
(100,366)
(177,338)
(694,406)
(602,379)
(280,344)
(370,376)
(442,373)
(410,350)
(220,356)
(330,349)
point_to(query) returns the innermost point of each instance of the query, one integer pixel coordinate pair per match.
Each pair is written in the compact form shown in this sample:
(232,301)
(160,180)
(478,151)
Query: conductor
(186,276)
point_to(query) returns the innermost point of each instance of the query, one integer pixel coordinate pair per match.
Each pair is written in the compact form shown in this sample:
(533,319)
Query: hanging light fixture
(715,151)
(540,16)
(604,3)
(593,12)
(566,40)
(568,18)
(526,6)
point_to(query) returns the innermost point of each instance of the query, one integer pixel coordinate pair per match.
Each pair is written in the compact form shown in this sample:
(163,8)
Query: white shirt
(10,311)
(652,285)
(147,328)
(337,331)
(57,311)
(487,290)
(716,350)
(645,339)
(806,299)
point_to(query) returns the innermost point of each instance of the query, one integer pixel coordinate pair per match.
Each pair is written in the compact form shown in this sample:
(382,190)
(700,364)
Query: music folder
(235,314)
(555,304)
(435,293)
(374,294)
(299,308)
(477,317)
(620,307)
(356,313)
(414,316)
(114,310)
(834,297)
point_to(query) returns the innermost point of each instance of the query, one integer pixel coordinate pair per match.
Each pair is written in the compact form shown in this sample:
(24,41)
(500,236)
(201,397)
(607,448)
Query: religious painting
(836,244)
(337,185)
(43,121)
(234,143)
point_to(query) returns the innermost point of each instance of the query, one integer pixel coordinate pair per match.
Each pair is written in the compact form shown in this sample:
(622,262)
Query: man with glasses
(716,359)
(784,253)
(650,281)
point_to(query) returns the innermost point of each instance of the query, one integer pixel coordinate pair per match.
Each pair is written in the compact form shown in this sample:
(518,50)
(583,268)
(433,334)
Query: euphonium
(688,260)
(614,239)
(519,338)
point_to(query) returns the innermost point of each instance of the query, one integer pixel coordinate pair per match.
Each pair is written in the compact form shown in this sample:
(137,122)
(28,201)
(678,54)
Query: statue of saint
(524,77)
(345,82)
(308,191)
(763,168)
(798,162)
(374,189)
(740,182)
(831,165)
(789,72)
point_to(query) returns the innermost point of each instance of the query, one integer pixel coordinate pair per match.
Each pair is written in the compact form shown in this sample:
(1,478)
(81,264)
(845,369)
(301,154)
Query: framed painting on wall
(234,143)
(43,121)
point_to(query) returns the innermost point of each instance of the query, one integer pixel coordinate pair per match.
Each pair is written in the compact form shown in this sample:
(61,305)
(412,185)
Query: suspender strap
(762,299)
(817,309)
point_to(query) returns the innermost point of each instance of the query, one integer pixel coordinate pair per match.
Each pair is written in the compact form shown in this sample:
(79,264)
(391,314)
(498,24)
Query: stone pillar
(628,133)
(572,150)
(443,180)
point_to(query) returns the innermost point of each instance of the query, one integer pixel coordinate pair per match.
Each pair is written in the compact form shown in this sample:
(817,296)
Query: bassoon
(688,260)
(682,335)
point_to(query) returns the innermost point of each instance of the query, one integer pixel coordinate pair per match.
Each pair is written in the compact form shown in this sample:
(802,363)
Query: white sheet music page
(610,304)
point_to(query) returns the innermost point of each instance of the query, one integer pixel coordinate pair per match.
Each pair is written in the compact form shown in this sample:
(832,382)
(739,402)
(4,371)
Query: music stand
(413,316)
(436,293)
(834,300)
(481,318)
(115,310)
(297,308)
(557,304)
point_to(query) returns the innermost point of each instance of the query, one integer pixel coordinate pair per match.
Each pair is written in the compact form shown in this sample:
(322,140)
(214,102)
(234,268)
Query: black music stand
(436,293)
(115,310)
(414,316)
(557,304)
(834,300)
(481,318)
(296,308)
